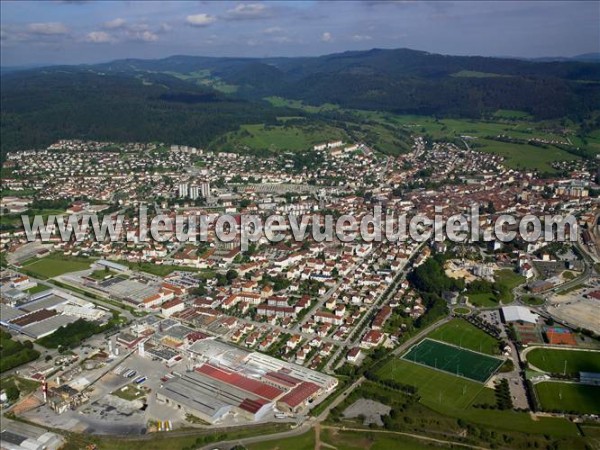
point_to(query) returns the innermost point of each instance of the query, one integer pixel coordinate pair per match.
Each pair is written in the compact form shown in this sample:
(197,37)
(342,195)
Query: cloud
(272,30)
(244,11)
(326,37)
(115,23)
(200,20)
(99,37)
(47,28)
(361,37)
(143,36)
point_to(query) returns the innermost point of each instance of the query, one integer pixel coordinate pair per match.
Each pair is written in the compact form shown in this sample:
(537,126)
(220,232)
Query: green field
(305,441)
(568,397)
(462,333)
(435,387)
(483,300)
(454,396)
(390,133)
(553,360)
(281,138)
(358,440)
(533,301)
(452,359)
(160,270)
(37,289)
(55,265)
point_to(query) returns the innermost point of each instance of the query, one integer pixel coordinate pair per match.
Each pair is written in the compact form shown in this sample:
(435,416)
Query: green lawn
(37,289)
(357,440)
(484,300)
(568,397)
(462,333)
(161,270)
(305,441)
(553,360)
(533,301)
(509,278)
(55,265)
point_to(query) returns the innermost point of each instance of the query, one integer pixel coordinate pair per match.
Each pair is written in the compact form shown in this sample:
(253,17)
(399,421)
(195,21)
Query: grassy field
(483,300)
(454,396)
(356,440)
(163,441)
(558,396)
(462,333)
(281,138)
(37,289)
(435,387)
(305,441)
(160,270)
(54,265)
(553,360)
(454,360)
(506,277)
(533,301)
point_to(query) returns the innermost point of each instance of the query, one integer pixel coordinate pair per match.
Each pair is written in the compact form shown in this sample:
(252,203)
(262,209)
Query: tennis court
(455,360)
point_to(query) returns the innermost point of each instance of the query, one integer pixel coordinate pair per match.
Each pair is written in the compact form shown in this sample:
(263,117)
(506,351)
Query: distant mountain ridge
(212,95)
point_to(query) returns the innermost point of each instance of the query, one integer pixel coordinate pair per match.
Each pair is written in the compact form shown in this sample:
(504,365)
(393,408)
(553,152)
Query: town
(144,336)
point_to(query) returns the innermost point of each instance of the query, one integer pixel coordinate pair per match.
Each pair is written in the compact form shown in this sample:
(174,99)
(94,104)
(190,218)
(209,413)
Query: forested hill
(191,99)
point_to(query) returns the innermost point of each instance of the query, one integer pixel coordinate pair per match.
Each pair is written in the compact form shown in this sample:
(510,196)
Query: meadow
(55,265)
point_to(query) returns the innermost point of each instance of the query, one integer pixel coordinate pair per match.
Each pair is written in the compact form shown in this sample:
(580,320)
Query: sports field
(455,360)
(555,360)
(437,389)
(568,397)
(462,333)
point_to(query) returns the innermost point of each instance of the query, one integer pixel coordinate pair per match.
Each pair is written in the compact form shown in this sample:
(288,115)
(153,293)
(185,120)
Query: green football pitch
(455,360)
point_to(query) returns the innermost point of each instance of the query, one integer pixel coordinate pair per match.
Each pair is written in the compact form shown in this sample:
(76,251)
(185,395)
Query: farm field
(55,265)
(559,396)
(462,333)
(457,361)
(553,360)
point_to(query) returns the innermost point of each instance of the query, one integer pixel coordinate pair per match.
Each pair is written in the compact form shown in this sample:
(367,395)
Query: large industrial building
(229,380)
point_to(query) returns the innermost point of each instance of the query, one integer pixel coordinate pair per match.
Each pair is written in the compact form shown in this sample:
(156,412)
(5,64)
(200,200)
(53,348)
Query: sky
(74,32)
